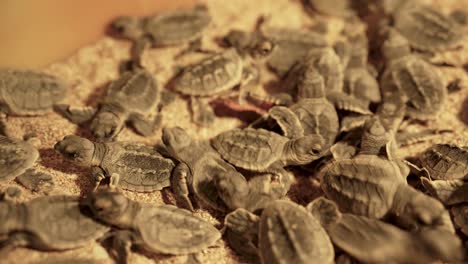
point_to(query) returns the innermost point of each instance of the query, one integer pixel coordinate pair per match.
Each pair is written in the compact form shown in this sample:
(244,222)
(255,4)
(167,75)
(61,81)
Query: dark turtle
(213,180)
(131,166)
(374,241)
(164,29)
(446,162)
(412,79)
(17,161)
(286,233)
(134,97)
(155,228)
(48,223)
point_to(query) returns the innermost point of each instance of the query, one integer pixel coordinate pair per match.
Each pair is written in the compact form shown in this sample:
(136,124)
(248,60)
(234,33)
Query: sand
(93,67)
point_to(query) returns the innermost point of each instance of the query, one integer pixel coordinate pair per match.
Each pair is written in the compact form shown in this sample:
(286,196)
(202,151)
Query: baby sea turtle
(155,228)
(412,79)
(134,97)
(446,162)
(374,241)
(284,233)
(213,180)
(313,114)
(262,150)
(216,76)
(425,28)
(17,161)
(131,166)
(48,223)
(164,29)
(375,186)
(300,80)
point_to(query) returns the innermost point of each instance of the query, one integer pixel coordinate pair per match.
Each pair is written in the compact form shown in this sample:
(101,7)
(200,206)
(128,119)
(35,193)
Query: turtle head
(106,125)
(76,149)
(176,138)
(111,207)
(304,150)
(238,39)
(375,137)
(396,46)
(254,44)
(442,244)
(127,27)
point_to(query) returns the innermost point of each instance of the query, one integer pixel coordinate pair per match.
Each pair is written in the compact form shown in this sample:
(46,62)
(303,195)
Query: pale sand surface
(90,70)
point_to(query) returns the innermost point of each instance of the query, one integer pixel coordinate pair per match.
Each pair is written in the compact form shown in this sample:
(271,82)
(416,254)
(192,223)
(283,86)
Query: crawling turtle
(164,29)
(131,166)
(446,162)
(48,223)
(300,80)
(374,185)
(313,114)
(213,180)
(28,93)
(411,78)
(374,241)
(262,150)
(155,228)
(216,76)
(17,159)
(425,28)
(134,97)
(285,232)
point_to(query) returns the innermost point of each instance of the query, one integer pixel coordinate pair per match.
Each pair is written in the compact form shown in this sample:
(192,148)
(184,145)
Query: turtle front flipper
(449,192)
(406,138)
(14,240)
(232,188)
(347,102)
(120,245)
(144,126)
(74,114)
(36,181)
(180,186)
(136,52)
(287,121)
(324,210)
(202,113)
(241,232)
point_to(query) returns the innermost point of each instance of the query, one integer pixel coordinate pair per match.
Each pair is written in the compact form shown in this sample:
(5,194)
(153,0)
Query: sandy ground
(93,67)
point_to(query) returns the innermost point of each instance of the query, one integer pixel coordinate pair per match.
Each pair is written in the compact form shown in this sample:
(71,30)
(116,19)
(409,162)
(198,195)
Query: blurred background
(35,33)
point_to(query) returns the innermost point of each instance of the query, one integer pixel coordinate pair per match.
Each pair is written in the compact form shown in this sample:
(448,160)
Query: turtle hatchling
(216,76)
(165,29)
(412,79)
(374,241)
(284,233)
(446,162)
(155,228)
(17,160)
(131,166)
(134,97)
(48,223)
(262,150)
(214,181)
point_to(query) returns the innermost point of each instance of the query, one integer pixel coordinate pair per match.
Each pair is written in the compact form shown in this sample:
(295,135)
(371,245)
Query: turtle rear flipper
(36,180)
(75,115)
(144,126)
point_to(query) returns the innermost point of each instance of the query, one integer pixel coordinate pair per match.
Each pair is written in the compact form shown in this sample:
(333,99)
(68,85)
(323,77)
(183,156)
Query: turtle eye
(265,48)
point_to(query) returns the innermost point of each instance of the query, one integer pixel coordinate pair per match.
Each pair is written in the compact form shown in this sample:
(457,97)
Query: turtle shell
(362,85)
(26,92)
(288,233)
(56,223)
(177,27)
(446,162)
(135,91)
(364,185)
(251,149)
(141,168)
(427,29)
(171,230)
(212,75)
(328,64)
(318,116)
(460,217)
(16,156)
(419,82)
